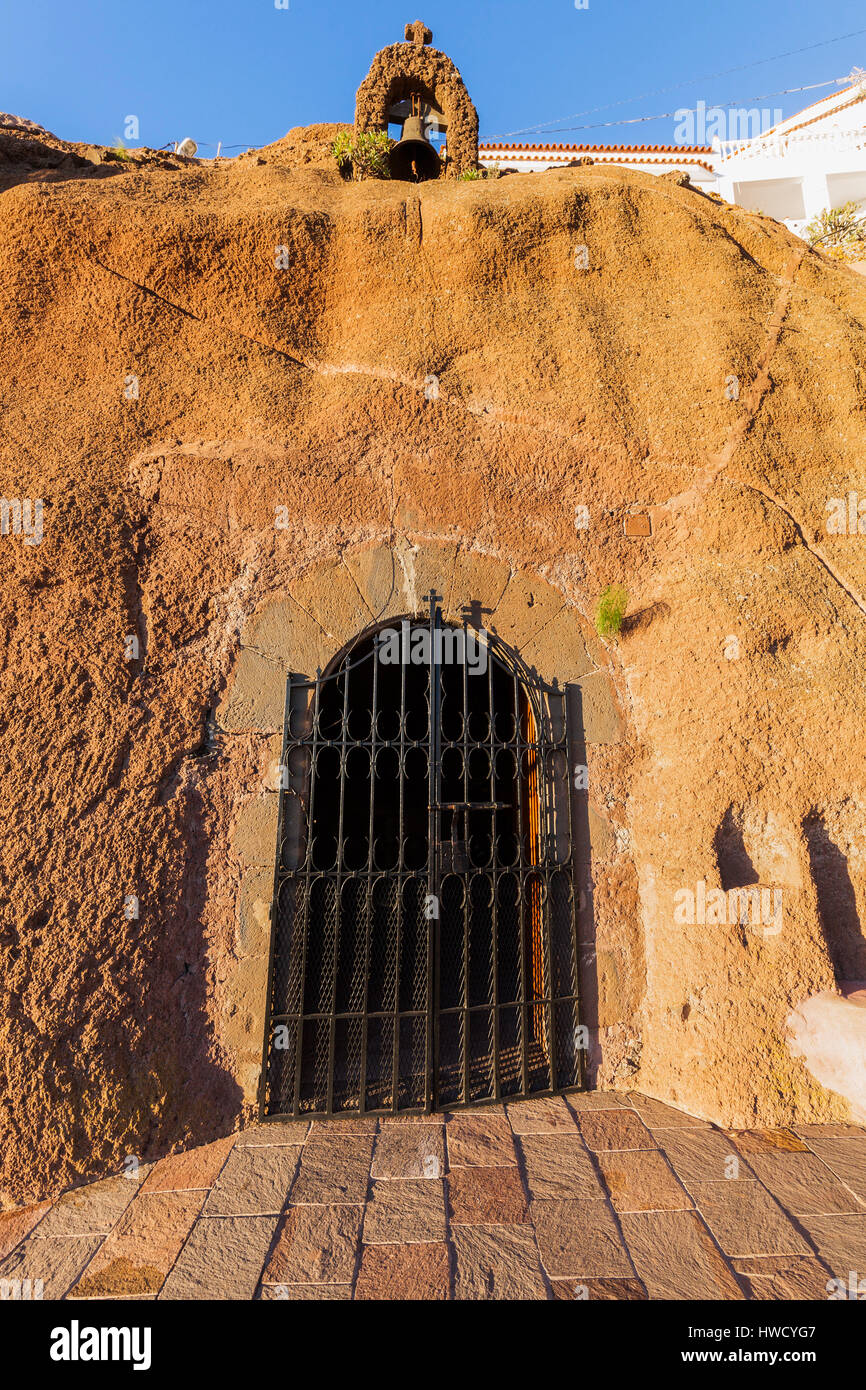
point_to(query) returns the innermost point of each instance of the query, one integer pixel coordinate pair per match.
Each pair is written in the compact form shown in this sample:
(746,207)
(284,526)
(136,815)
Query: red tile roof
(613,149)
(609,154)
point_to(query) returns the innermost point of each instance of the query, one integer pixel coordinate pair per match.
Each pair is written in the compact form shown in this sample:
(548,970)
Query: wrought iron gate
(423,946)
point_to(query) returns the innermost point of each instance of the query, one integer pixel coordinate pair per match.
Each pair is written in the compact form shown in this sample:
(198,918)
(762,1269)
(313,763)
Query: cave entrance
(423,949)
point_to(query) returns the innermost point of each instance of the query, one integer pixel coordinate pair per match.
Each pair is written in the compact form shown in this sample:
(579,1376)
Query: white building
(792,171)
(811,161)
(697,160)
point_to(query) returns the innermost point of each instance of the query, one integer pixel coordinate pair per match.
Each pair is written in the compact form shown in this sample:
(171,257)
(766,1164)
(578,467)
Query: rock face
(222,380)
(300,147)
(10,122)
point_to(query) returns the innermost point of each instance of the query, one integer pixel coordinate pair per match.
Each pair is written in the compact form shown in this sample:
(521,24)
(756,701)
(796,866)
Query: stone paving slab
(704,1155)
(803,1184)
(642,1180)
(254,1182)
(840,1240)
(274,1133)
(675,1256)
(657,1115)
(579,1101)
(846,1158)
(483,1140)
(223,1258)
(745,1219)
(497,1262)
(305,1293)
(402,1211)
(316,1245)
(138,1254)
(433,1119)
(611,1195)
(344,1124)
(404,1272)
(334,1170)
(764,1141)
(615,1129)
(197,1168)
(580,1239)
(559,1165)
(540,1116)
(17,1224)
(777,1277)
(486,1196)
(56,1261)
(410,1151)
(89,1211)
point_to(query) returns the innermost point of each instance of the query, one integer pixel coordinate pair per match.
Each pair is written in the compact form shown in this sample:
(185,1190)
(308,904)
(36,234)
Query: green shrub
(370,155)
(610,610)
(470,175)
(364,158)
(841,232)
(342,151)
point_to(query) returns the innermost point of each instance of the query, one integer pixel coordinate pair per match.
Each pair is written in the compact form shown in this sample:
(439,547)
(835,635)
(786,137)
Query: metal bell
(413,159)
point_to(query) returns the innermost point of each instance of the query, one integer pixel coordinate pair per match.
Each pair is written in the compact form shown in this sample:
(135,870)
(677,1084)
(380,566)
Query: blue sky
(244,72)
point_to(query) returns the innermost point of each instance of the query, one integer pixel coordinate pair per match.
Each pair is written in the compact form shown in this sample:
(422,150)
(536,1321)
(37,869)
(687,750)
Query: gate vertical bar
(468,886)
(493,1027)
(308,865)
(522,831)
(368,899)
(433,885)
(573,722)
(338,891)
(400,880)
(544,756)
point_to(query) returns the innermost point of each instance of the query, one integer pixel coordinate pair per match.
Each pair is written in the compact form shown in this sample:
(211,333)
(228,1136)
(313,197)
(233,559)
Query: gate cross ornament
(419,34)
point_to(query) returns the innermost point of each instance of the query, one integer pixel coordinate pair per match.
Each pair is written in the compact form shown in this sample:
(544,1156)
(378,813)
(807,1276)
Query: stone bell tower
(412,77)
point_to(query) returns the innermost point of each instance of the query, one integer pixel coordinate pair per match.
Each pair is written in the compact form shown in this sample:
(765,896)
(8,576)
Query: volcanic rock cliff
(187,348)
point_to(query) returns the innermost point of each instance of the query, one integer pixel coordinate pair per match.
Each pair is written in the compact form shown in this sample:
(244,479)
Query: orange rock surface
(185,347)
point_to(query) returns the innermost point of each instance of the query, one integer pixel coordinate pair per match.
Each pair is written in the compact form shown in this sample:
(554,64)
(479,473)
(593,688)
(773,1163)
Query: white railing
(759,146)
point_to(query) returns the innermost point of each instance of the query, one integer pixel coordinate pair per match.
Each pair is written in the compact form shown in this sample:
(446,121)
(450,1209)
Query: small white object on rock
(188,148)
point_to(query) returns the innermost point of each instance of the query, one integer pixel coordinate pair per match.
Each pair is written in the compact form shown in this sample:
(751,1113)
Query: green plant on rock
(342,152)
(363,158)
(610,610)
(470,175)
(370,155)
(841,232)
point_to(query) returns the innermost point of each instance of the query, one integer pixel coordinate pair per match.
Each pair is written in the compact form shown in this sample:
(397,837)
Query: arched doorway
(423,942)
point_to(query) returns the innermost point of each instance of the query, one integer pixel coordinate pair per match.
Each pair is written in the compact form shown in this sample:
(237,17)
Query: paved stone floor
(596,1196)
